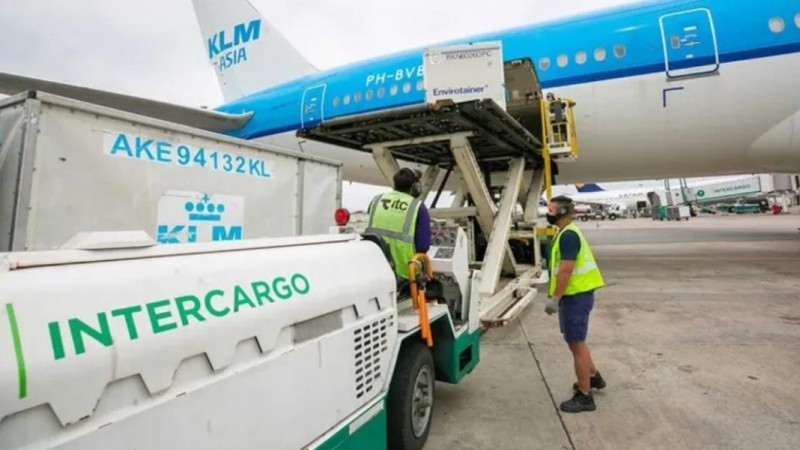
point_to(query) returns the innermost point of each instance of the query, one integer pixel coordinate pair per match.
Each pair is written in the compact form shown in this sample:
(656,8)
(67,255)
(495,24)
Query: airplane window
(393,90)
(580,57)
(676,42)
(619,51)
(797,20)
(368,95)
(600,54)
(357,97)
(544,63)
(335,101)
(420,85)
(346,99)
(381,92)
(406,87)
(776,25)
(562,60)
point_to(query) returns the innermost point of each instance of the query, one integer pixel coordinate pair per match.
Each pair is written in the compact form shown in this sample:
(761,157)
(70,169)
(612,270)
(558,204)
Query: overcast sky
(153,48)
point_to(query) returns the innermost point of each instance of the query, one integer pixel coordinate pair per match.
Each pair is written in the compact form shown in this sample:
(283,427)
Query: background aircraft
(698,190)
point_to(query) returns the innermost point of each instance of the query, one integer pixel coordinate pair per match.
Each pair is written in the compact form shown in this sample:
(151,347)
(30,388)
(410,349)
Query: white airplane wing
(193,117)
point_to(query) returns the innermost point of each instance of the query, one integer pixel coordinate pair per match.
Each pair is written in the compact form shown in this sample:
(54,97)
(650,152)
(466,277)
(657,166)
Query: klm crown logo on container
(188,221)
(229,45)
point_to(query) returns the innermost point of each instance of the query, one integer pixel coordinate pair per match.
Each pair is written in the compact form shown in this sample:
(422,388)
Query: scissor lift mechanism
(471,138)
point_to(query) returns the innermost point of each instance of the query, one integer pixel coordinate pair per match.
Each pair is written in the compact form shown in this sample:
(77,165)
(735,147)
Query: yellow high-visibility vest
(585,276)
(393,217)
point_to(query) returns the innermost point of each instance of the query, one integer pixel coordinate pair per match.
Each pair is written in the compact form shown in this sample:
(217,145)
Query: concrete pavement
(697,335)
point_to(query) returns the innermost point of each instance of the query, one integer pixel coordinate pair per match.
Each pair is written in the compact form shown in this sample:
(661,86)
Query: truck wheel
(410,401)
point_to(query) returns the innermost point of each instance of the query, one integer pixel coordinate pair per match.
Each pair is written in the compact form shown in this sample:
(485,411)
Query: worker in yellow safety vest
(402,221)
(574,276)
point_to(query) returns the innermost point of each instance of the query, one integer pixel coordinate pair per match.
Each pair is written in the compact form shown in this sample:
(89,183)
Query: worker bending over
(574,276)
(402,221)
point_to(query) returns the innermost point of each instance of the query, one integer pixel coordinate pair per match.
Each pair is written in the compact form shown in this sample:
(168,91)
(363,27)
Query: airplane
(623,199)
(664,89)
(632,199)
(586,194)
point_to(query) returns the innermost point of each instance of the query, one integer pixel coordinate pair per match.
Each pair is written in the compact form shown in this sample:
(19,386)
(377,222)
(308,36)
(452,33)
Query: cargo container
(68,166)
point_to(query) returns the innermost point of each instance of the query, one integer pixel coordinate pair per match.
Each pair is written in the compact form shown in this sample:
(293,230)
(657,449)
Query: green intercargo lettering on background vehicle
(169,314)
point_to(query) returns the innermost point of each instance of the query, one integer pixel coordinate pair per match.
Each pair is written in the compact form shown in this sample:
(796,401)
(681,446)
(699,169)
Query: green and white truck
(278,337)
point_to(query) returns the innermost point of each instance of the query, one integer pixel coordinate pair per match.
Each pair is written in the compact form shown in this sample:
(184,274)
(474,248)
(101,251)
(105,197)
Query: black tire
(612,217)
(414,358)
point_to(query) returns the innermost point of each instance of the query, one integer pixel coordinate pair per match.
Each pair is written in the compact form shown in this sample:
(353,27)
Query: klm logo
(205,216)
(242,34)
(229,45)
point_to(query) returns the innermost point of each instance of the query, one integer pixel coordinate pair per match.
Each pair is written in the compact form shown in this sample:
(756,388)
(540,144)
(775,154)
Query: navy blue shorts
(573,316)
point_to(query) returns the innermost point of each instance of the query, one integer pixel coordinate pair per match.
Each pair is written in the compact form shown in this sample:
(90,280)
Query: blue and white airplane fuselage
(663,89)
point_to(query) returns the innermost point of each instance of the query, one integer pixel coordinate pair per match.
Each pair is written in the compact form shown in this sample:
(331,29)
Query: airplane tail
(247,52)
(588,187)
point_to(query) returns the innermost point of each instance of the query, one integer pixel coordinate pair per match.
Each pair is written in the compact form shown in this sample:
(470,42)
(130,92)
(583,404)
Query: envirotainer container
(68,166)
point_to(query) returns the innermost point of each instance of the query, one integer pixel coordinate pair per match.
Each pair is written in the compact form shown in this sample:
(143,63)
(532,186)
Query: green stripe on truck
(23,376)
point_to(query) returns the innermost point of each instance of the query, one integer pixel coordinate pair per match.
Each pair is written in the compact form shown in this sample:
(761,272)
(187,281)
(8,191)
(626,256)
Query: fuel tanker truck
(304,342)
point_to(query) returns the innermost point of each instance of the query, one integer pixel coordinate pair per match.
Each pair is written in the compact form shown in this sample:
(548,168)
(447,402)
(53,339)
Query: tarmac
(697,334)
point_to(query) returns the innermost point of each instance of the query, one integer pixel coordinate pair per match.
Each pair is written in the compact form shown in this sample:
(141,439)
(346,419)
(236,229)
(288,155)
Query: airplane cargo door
(313,106)
(690,43)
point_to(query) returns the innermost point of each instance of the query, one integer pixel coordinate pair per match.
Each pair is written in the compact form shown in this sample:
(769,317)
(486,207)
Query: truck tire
(410,400)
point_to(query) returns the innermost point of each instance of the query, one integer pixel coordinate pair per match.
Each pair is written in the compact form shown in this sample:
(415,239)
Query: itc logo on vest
(398,204)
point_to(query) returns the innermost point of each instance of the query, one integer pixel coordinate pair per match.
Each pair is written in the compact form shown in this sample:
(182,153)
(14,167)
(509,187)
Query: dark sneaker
(578,403)
(596,382)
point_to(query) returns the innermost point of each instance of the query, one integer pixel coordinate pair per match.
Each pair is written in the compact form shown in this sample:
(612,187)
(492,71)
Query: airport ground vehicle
(232,331)
(269,343)
(746,208)
(598,211)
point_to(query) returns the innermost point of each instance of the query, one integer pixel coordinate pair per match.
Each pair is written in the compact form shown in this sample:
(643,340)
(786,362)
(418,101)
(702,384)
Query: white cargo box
(68,166)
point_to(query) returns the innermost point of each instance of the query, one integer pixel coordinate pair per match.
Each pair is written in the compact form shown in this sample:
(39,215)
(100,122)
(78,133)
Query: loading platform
(496,165)
(414,133)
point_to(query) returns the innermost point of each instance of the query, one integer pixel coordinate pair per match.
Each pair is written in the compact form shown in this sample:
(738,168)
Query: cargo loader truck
(228,318)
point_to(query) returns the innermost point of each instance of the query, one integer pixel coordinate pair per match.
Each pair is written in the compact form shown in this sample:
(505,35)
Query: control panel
(450,260)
